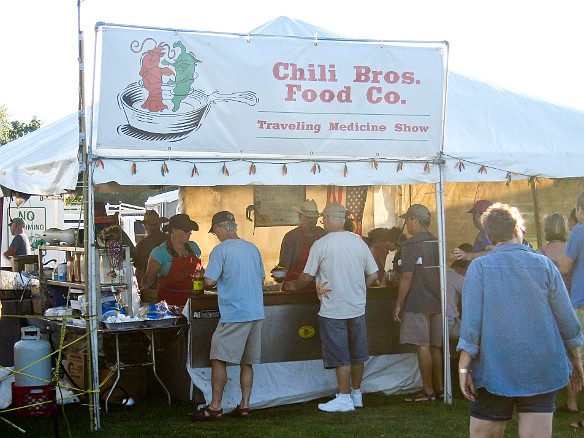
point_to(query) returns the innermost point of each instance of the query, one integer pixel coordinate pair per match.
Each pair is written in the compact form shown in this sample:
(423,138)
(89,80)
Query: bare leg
(486,428)
(218,381)
(535,424)
(437,368)
(246,382)
(572,400)
(425,364)
(357,375)
(344,379)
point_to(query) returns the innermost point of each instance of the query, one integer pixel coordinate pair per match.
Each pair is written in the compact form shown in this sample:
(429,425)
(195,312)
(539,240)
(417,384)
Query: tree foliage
(12,129)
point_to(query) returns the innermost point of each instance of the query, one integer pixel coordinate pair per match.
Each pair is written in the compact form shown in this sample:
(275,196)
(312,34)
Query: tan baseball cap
(334,209)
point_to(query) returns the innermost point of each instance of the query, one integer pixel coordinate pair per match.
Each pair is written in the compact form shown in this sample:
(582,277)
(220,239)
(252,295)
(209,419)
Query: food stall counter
(290,328)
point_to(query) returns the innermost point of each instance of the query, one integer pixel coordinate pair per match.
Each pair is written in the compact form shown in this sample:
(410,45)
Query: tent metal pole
(91,323)
(441,224)
(533,185)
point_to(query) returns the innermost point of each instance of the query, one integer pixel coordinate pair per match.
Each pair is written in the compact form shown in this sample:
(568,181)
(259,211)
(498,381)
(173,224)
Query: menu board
(272,205)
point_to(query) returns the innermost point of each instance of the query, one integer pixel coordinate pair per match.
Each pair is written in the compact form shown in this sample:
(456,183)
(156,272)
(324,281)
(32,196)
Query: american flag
(355,198)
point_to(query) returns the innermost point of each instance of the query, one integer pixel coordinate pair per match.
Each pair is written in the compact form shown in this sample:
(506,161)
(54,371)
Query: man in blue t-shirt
(236,267)
(482,245)
(20,244)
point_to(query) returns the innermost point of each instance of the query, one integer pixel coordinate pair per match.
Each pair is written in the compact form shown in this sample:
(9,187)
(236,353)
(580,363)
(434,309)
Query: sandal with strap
(242,413)
(206,414)
(421,396)
(578,424)
(439,395)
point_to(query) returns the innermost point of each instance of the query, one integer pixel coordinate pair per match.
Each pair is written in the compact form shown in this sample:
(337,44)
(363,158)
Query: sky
(531,47)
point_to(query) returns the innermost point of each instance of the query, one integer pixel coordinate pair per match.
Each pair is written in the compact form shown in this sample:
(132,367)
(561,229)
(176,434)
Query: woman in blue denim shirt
(519,335)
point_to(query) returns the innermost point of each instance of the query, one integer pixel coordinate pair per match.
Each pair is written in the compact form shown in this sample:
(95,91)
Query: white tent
(490,134)
(43,162)
(511,135)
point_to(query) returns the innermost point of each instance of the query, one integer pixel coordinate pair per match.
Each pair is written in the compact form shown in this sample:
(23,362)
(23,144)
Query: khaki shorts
(422,329)
(237,342)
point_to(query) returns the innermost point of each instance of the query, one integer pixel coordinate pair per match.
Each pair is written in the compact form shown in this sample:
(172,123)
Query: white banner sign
(201,93)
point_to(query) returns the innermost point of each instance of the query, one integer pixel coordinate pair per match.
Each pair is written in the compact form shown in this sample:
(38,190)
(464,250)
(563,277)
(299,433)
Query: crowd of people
(522,315)
(515,315)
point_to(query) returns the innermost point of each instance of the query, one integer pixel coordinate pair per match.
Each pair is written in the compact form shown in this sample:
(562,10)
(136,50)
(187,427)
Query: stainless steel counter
(290,330)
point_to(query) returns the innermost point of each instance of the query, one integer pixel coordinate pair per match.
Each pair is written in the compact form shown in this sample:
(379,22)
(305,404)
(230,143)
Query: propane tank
(30,349)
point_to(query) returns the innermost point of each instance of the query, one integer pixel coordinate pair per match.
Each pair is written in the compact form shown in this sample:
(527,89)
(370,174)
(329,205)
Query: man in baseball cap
(418,307)
(236,268)
(482,244)
(20,244)
(343,267)
(418,211)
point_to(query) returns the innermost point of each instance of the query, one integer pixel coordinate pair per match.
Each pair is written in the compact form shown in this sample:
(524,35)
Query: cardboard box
(132,384)
(37,305)
(132,380)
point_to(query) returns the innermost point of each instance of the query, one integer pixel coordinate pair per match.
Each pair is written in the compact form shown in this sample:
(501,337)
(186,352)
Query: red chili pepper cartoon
(152,73)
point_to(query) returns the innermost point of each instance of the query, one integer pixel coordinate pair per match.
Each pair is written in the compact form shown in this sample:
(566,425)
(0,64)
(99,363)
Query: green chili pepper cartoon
(184,67)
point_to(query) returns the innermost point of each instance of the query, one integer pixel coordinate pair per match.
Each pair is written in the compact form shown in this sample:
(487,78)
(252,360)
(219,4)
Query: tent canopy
(496,134)
(43,162)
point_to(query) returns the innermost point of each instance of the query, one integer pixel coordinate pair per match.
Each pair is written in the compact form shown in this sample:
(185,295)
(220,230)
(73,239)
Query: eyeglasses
(322,219)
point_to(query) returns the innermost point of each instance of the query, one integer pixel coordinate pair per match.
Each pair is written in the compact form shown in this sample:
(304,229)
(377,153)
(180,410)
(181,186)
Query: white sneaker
(341,403)
(357,397)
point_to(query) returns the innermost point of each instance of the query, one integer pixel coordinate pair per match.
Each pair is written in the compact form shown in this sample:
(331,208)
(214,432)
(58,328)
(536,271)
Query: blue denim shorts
(344,341)
(494,407)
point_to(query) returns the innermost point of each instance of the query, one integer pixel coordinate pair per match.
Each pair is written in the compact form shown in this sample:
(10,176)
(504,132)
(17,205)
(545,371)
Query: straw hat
(151,217)
(308,208)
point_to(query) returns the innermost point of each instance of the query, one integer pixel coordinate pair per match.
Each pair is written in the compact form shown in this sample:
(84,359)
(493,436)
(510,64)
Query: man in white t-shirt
(343,267)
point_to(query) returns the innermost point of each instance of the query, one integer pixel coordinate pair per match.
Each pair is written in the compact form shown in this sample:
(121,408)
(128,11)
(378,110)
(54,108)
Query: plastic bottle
(62,272)
(70,269)
(198,283)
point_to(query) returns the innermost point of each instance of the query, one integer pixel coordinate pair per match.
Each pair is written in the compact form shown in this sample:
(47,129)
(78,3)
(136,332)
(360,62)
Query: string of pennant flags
(315,168)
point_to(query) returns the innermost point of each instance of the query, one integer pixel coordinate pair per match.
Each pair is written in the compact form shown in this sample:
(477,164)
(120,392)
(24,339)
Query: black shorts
(494,407)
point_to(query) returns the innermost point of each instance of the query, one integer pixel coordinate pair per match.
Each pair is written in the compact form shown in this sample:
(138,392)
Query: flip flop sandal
(439,395)
(242,413)
(578,424)
(421,396)
(206,414)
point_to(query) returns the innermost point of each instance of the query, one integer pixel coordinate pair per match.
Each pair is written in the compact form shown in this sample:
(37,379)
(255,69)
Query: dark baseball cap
(181,222)
(480,206)
(222,216)
(418,211)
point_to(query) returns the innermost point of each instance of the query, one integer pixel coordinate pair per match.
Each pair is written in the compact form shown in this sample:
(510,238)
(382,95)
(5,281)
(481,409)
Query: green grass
(383,416)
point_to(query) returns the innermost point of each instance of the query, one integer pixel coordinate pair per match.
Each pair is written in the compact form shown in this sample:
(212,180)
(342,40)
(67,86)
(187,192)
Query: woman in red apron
(174,262)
